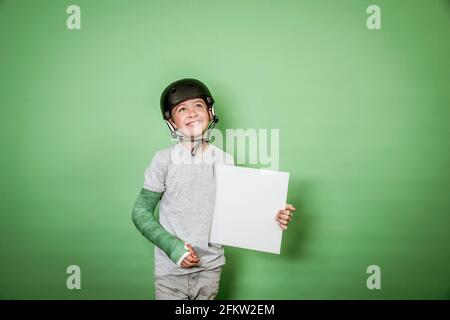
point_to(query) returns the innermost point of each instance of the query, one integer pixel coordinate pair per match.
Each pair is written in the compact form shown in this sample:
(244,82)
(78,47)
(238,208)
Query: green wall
(364,132)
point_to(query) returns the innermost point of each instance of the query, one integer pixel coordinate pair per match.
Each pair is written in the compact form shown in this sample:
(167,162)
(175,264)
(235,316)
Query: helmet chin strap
(198,140)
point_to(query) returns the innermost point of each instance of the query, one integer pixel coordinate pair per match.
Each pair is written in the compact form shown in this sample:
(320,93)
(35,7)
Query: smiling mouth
(193,123)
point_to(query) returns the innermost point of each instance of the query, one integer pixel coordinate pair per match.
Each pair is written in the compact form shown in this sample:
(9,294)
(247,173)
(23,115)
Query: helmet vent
(173,90)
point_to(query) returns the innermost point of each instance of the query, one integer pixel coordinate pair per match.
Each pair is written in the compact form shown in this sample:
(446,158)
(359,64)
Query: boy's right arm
(146,223)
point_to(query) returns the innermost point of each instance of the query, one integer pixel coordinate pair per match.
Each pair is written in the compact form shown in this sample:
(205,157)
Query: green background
(364,132)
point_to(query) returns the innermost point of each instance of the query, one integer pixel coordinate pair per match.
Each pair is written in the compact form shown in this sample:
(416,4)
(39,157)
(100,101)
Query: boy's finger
(290,207)
(282,216)
(192,259)
(287,211)
(282,226)
(191,265)
(191,250)
(285,217)
(188,264)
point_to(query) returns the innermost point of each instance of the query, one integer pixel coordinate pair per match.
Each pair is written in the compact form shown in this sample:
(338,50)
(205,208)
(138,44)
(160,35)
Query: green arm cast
(146,223)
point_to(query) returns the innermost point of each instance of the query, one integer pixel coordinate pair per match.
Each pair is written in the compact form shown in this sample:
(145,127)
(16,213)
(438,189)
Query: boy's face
(191,117)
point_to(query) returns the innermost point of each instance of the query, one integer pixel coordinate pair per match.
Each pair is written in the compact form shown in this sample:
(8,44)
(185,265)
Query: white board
(247,202)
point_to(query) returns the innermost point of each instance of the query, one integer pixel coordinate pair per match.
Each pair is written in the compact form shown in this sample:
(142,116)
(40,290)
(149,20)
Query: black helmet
(182,90)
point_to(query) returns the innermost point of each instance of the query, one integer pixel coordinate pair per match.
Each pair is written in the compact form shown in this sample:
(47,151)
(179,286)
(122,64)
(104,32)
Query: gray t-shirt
(186,207)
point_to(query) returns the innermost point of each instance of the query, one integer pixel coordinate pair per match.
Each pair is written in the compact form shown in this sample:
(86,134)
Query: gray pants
(202,285)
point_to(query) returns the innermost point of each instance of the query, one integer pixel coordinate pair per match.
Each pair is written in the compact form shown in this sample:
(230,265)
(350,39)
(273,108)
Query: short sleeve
(155,174)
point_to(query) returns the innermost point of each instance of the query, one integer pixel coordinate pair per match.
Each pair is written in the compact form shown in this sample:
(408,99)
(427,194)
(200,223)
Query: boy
(181,178)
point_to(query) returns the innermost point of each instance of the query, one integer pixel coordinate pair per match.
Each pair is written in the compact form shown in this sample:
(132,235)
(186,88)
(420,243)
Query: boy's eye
(181,109)
(199,105)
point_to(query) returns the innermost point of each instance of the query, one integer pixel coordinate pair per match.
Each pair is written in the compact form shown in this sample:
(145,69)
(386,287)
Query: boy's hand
(285,216)
(191,260)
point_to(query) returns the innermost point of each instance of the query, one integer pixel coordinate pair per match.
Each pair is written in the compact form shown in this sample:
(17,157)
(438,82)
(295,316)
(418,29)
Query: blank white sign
(247,202)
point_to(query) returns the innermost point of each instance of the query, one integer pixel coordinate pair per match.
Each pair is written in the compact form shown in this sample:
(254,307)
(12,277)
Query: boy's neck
(189,145)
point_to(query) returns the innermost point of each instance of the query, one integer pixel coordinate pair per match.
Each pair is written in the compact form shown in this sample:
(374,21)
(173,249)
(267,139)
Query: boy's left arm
(285,216)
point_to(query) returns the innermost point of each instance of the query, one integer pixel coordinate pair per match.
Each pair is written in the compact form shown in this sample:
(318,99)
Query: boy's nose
(192,113)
